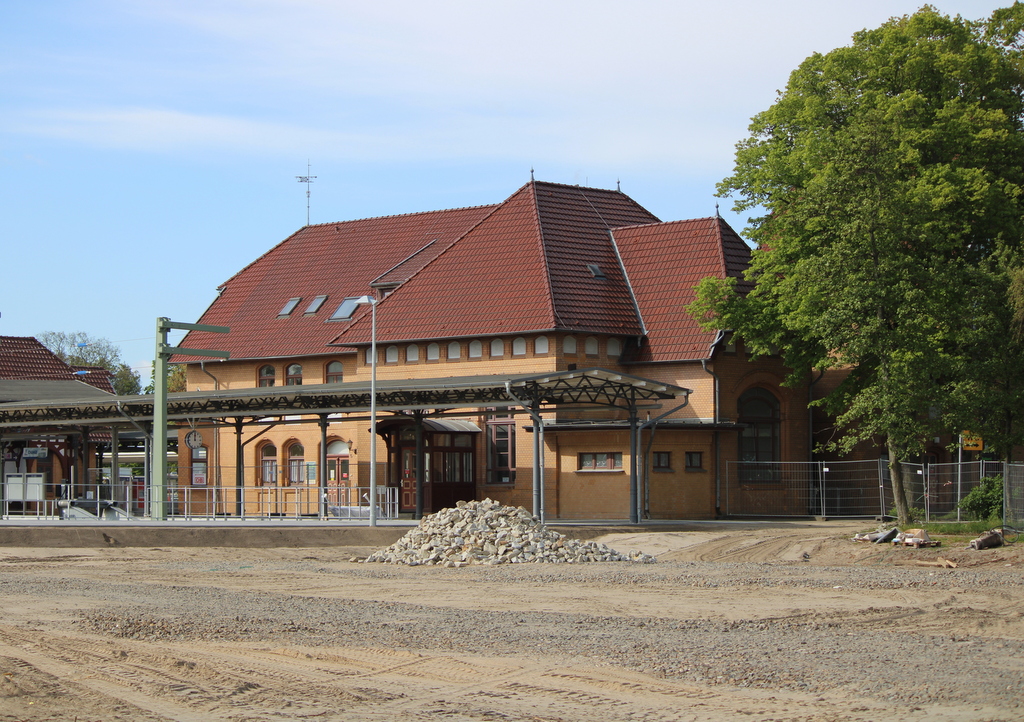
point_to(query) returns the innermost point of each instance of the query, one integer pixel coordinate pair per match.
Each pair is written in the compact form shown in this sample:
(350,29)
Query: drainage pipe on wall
(538,452)
(716,399)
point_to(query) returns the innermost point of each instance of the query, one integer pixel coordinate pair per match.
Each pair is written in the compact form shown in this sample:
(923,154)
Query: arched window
(412,353)
(519,346)
(476,349)
(759,414)
(369,355)
(267,374)
(268,464)
(540,345)
(296,464)
(335,372)
(591,347)
(454,350)
(391,355)
(294,375)
(433,352)
(569,344)
(497,348)
(614,347)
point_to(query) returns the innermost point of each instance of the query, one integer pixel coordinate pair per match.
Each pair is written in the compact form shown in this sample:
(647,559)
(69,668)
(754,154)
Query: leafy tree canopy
(892,185)
(78,348)
(175,379)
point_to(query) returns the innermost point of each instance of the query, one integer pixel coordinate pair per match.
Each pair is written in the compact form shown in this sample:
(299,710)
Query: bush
(915,514)
(985,500)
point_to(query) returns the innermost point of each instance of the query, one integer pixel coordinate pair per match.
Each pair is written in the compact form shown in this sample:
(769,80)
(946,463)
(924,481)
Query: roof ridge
(577,186)
(357,318)
(337,223)
(666,223)
(401,263)
(400,215)
(556,321)
(721,247)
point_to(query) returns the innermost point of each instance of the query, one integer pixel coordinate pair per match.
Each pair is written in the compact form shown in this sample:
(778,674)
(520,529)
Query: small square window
(662,460)
(694,459)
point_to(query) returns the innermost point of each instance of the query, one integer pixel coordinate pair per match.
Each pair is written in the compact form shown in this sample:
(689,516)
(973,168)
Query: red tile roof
(24,358)
(543,260)
(96,376)
(523,268)
(336,259)
(665,261)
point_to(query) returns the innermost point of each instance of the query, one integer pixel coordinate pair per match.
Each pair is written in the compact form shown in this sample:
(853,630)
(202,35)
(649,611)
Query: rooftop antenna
(307,179)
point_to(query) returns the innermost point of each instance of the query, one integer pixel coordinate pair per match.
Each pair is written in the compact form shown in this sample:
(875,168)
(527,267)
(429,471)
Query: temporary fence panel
(763,488)
(850,488)
(1013,495)
(794,488)
(948,484)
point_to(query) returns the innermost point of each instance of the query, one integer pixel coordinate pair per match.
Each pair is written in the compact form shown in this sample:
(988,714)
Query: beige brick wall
(569,493)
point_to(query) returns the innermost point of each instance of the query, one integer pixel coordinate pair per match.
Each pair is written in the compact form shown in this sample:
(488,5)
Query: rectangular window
(694,459)
(289,306)
(663,460)
(600,461)
(315,304)
(346,309)
(501,453)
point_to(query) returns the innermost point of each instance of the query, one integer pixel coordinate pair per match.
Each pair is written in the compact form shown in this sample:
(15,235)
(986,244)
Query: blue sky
(149,149)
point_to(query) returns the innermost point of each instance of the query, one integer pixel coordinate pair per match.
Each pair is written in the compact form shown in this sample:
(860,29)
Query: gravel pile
(487,532)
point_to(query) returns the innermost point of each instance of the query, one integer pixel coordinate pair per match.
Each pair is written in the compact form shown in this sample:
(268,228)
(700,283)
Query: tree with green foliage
(77,348)
(175,379)
(891,178)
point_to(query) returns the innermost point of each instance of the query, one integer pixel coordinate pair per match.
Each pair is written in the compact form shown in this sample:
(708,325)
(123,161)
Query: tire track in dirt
(233,682)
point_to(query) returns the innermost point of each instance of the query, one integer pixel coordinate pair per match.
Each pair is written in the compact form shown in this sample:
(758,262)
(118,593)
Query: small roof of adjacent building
(24,357)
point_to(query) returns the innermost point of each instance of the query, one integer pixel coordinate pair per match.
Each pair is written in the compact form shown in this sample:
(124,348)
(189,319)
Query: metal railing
(783,489)
(30,496)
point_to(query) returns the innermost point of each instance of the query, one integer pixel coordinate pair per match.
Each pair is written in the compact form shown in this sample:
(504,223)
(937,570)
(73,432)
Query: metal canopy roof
(593,386)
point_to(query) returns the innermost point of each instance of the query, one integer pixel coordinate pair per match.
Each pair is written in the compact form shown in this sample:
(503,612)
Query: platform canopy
(594,386)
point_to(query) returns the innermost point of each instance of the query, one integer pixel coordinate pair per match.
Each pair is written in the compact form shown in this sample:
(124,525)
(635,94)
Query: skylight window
(346,309)
(315,304)
(289,306)
(595,270)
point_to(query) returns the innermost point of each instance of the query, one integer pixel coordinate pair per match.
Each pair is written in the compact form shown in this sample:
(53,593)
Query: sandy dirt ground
(769,623)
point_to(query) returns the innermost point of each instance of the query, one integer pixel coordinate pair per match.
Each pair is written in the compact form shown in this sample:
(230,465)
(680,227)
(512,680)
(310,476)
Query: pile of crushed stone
(487,532)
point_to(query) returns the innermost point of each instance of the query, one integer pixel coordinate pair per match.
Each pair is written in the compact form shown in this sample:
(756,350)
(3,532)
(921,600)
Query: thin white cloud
(629,139)
(576,81)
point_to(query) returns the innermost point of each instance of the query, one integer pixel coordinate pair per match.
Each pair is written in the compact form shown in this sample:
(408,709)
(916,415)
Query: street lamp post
(373,405)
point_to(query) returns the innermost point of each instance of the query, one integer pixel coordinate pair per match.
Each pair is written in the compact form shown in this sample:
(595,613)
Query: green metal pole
(158,486)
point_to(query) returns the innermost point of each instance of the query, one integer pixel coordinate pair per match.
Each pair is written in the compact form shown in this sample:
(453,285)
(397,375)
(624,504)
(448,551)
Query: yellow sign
(970,442)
